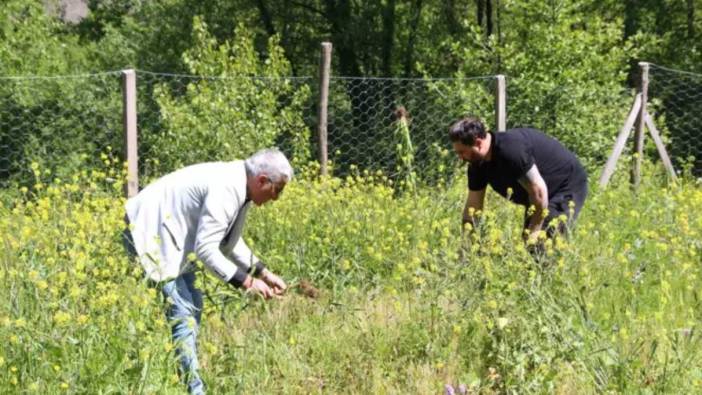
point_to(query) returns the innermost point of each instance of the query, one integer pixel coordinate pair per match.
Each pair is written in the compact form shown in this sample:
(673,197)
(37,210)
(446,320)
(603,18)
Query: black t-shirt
(514,152)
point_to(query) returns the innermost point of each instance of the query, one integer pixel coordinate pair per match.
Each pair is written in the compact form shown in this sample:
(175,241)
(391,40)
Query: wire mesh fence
(584,117)
(398,126)
(675,103)
(57,125)
(185,119)
(393,125)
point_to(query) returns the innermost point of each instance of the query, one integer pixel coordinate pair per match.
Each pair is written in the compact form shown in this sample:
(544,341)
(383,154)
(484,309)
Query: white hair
(270,162)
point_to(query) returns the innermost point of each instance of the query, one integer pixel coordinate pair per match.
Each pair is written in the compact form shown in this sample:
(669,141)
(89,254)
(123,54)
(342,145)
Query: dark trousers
(560,204)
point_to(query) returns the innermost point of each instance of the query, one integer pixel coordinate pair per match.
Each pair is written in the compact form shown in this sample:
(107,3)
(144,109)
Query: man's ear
(480,143)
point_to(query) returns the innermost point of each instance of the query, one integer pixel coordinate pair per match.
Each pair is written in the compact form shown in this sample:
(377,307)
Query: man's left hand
(530,237)
(273,281)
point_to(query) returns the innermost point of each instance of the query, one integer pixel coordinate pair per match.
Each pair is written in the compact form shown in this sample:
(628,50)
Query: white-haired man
(199,212)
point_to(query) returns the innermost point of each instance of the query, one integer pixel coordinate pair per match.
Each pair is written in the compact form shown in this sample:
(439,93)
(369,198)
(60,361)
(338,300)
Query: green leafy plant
(234,105)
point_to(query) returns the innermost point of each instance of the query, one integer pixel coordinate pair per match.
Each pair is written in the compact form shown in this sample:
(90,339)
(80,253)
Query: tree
(234,104)
(565,69)
(48,114)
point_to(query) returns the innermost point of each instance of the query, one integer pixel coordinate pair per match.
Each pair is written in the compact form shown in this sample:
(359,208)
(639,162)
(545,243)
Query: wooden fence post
(500,104)
(640,125)
(129,112)
(661,148)
(324,71)
(621,142)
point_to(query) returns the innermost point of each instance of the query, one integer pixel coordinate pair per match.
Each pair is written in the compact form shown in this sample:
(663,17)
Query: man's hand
(534,242)
(472,209)
(276,283)
(531,237)
(536,187)
(258,287)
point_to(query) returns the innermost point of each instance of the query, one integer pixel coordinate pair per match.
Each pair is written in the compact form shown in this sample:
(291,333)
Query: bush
(400,307)
(236,105)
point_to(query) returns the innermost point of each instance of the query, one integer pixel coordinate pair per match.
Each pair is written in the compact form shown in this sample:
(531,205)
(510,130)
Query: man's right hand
(258,287)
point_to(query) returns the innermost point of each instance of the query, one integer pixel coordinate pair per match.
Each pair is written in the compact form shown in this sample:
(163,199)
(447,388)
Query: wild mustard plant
(407,305)
(404,149)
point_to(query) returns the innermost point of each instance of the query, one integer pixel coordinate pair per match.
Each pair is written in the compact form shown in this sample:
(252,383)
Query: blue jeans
(183,314)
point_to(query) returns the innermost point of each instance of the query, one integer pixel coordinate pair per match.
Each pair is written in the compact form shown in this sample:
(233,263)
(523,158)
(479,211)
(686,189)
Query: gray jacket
(199,209)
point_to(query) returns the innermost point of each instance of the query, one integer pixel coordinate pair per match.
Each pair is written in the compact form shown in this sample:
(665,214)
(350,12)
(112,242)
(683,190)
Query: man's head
(267,173)
(470,139)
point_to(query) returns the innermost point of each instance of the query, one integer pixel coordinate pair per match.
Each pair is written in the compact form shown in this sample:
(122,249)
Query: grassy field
(405,304)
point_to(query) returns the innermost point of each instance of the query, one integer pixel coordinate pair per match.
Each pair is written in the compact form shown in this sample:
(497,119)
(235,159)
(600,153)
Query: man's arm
(211,230)
(474,203)
(536,187)
(242,255)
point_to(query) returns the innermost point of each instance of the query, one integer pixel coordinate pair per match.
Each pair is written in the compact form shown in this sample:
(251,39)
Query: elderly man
(525,166)
(199,212)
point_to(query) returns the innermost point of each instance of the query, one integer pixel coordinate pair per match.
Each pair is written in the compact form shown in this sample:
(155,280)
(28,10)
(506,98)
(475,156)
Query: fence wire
(586,118)
(675,104)
(57,125)
(186,119)
(65,124)
(396,126)
(399,126)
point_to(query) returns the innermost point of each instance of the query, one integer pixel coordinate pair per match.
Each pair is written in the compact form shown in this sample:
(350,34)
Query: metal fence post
(640,125)
(500,104)
(324,70)
(129,111)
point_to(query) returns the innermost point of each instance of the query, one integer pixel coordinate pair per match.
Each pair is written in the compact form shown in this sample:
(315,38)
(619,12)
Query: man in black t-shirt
(526,167)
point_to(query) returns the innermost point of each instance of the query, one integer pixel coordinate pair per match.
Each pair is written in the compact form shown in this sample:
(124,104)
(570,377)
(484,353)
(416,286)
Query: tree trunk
(388,37)
(479,6)
(690,19)
(488,18)
(414,26)
(630,16)
(339,16)
(449,13)
(266,17)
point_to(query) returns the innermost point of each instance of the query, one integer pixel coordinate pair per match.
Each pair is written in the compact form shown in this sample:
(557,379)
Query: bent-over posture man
(200,210)
(525,166)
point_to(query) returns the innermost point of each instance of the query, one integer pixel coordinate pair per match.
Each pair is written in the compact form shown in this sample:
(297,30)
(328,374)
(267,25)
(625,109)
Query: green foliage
(613,310)
(242,104)
(153,35)
(404,150)
(668,32)
(33,43)
(571,70)
(48,117)
(564,72)
(366,242)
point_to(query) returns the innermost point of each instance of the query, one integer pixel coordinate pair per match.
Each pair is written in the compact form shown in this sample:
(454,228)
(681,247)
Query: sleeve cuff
(237,280)
(256,269)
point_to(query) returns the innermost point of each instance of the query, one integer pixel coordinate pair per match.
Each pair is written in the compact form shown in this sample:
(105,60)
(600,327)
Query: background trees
(570,64)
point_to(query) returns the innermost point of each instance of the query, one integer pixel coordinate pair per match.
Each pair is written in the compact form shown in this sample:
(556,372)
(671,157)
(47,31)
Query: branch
(309,8)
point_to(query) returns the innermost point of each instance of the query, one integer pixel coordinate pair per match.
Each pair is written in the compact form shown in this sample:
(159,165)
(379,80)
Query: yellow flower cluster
(627,275)
(72,299)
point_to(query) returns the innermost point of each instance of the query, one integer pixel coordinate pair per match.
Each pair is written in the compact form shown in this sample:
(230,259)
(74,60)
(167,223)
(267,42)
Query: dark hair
(467,130)
(401,113)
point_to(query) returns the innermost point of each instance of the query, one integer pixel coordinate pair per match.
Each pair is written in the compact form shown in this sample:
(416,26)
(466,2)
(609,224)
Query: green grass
(406,305)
